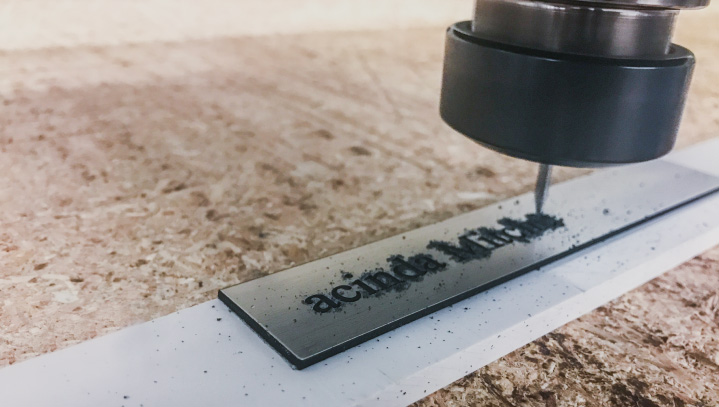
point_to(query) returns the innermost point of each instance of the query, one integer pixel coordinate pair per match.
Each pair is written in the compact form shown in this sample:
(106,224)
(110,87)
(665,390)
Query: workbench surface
(138,179)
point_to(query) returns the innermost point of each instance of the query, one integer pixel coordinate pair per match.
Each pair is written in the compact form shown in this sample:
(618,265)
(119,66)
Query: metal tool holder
(574,83)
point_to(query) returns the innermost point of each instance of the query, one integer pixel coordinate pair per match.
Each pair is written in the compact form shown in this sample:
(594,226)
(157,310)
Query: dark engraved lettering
(427,263)
(477,238)
(361,284)
(404,269)
(505,234)
(516,234)
(544,222)
(478,244)
(323,303)
(337,293)
(496,237)
(474,244)
(516,230)
(525,229)
(466,251)
(383,280)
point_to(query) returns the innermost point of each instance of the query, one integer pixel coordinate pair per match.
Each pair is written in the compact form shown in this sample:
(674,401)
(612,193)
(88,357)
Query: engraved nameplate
(313,311)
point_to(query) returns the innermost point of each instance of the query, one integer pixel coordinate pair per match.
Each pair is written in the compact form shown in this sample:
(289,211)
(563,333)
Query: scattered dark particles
(475,244)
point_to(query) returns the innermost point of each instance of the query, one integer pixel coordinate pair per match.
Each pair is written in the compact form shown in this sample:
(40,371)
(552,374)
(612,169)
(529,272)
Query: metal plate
(313,311)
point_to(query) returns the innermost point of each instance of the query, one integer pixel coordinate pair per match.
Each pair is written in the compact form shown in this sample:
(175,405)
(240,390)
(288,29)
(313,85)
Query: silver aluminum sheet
(313,311)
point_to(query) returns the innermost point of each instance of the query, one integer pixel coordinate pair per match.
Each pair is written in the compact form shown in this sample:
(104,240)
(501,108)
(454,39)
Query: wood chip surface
(138,179)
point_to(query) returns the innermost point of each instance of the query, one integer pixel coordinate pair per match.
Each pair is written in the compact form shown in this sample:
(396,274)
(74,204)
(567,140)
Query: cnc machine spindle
(576,82)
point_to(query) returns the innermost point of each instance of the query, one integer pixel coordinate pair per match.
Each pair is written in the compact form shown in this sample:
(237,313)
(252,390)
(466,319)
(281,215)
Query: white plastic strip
(205,356)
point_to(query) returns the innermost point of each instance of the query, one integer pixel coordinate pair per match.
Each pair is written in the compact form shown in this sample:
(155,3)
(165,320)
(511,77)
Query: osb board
(139,179)
(655,346)
(36,24)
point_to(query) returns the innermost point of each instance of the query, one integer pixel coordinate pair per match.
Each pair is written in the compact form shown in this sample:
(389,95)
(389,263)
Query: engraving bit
(544,179)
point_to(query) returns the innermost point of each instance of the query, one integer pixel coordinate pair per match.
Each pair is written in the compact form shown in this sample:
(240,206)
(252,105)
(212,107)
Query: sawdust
(160,173)
(655,346)
(140,179)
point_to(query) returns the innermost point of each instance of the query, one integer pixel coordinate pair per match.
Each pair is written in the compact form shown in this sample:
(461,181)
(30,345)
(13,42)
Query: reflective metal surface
(576,28)
(318,309)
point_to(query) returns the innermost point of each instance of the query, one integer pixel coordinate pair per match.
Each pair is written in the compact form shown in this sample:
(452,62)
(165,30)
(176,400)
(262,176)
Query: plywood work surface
(138,179)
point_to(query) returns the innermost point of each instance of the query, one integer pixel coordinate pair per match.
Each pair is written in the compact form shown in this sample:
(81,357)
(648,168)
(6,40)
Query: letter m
(467,250)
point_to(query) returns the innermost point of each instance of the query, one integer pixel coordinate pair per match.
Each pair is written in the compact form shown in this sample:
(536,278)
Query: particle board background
(152,153)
